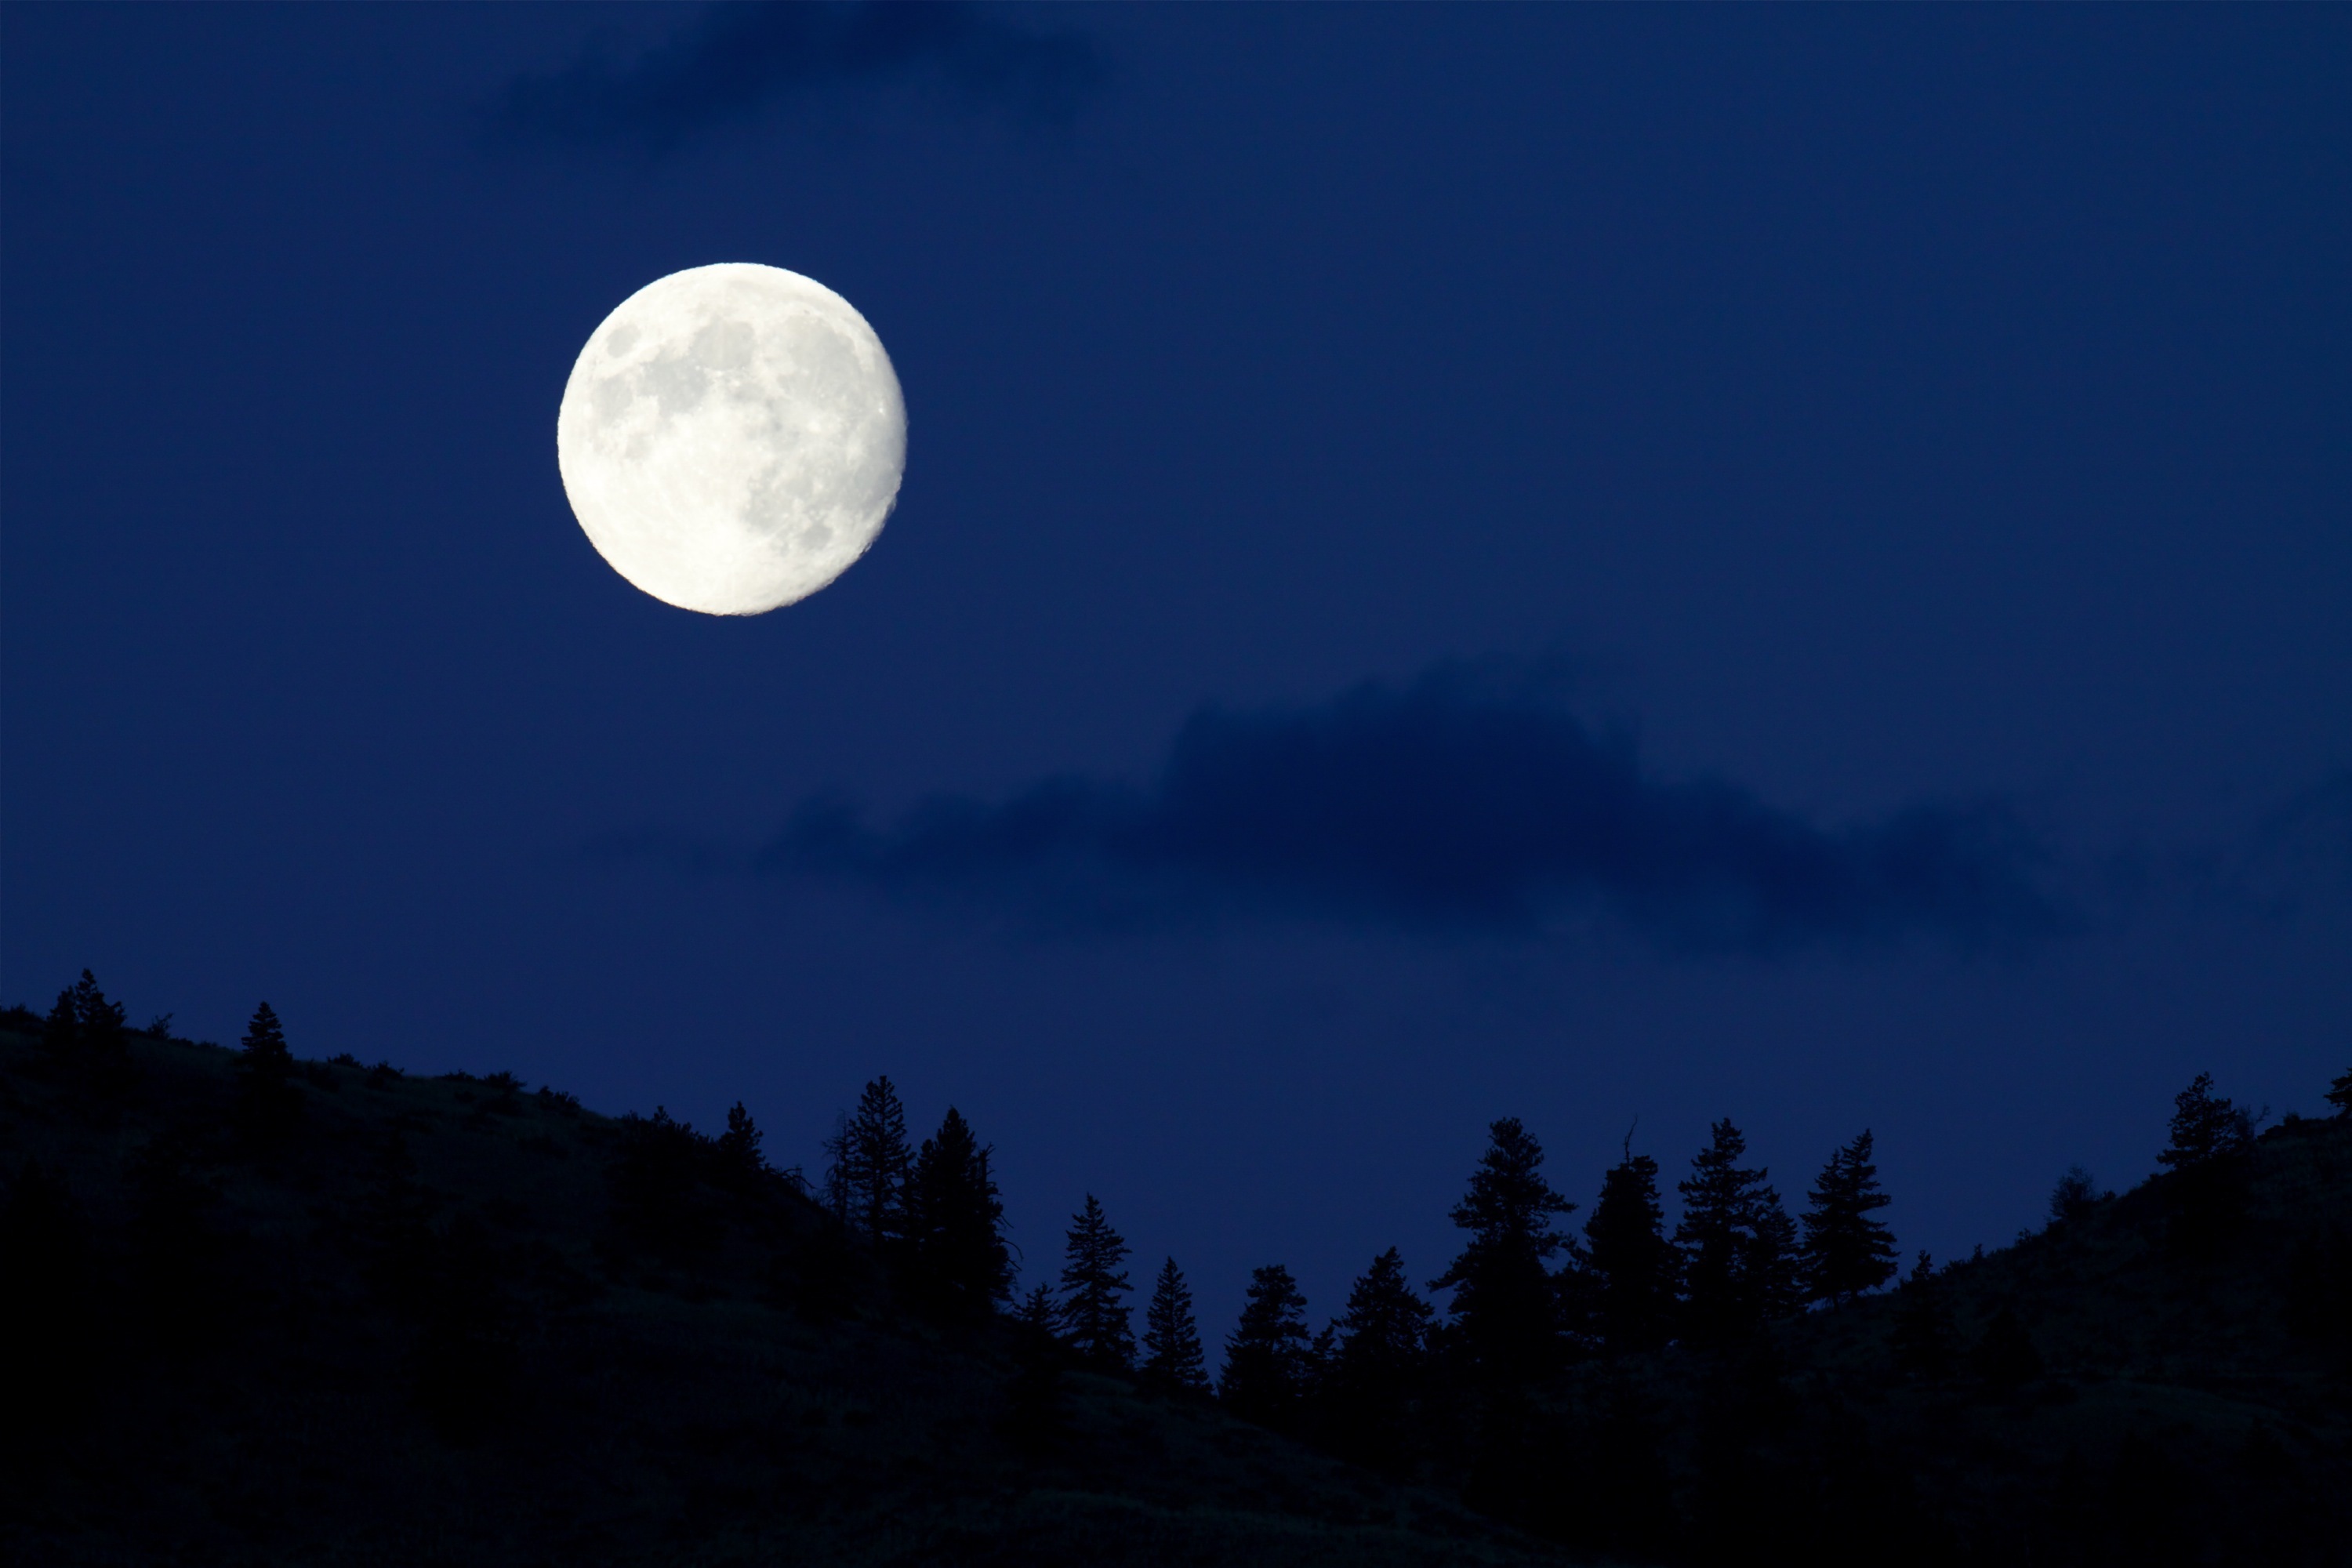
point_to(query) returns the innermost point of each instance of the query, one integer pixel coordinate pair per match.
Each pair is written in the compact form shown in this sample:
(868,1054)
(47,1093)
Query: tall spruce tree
(1739,1246)
(267,1098)
(865,1180)
(1378,1374)
(62,1030)
(740,1164)
(2340,1094)
(85,1032)
(1628,1262)
(1264,1377)
(99,1023)
(1172,1358)
(957,1260)
(1846,1251)
(1505,1301)
(1094,1315)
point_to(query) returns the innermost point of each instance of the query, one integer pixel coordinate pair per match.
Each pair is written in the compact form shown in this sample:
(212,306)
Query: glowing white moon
(732,437)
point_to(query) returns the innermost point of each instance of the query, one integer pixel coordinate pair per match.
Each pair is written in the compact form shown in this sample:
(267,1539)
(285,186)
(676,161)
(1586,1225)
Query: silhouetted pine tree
(1505,1298)
(1378,1374)
(2340,1094)
(870,1164)
(1039,1314)
(84,1032)
(267,1098)
(1036,1417)
(1847,1252)
(1925,1341)
(1172,1358)
(737,1153)
(956,1258)
(2211,1136)
(1264,1377)
(1628,1262)
(62,1030)
(1094,1318)
(100,1021)
(2205,1127)
(1737,1244)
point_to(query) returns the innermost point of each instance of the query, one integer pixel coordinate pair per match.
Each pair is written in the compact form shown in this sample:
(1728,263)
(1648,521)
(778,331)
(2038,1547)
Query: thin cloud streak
(1452,803)
(737,59)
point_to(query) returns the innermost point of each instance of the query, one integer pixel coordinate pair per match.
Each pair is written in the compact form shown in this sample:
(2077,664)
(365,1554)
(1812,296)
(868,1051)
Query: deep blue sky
(1581,563)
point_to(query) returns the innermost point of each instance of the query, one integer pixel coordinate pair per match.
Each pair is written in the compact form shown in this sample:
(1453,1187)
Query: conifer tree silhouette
(2210,1138)
(62,1030)
(1094,1317)
(1036,1417)
(84,1031)
(1038,1314)
(957,1260)
(870,1164)
(99,1021)
(266,1097)
(1738,1245)
(2206,1127)
(2340,1094)
(1505,1298)
(1630,1263)
(1172,1358)
(740,1164)
(1264,1376)
(1846,1252)
(1379,1364)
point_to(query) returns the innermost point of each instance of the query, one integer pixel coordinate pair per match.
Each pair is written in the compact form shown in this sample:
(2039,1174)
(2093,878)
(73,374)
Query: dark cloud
(737,59)
(1459,802)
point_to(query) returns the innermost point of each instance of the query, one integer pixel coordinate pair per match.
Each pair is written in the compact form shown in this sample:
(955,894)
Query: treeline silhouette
(1617,1385)
(1469,1396)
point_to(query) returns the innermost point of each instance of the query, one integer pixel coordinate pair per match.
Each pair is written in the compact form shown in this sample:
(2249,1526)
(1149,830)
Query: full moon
(732,437)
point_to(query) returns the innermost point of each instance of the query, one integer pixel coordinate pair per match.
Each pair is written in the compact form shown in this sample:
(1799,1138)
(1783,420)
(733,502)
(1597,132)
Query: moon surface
(732,437)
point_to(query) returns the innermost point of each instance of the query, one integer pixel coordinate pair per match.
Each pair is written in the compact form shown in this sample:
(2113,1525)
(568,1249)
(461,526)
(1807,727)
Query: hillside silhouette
(267,1309)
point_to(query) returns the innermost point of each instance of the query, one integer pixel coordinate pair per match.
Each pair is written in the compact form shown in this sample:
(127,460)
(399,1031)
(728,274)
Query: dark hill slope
(2164,1379)
(445,1321)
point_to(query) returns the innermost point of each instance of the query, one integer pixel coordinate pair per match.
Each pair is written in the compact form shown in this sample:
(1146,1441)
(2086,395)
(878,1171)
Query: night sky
(1589,565)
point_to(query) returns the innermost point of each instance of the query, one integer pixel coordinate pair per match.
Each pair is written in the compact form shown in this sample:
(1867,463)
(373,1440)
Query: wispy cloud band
(1454,802)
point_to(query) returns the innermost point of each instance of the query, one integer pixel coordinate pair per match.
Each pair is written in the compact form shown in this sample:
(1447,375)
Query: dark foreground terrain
(396,1320)
(445,1321)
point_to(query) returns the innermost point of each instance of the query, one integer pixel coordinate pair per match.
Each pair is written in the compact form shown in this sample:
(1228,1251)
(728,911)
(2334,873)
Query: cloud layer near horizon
(737,59)
(1452,802)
